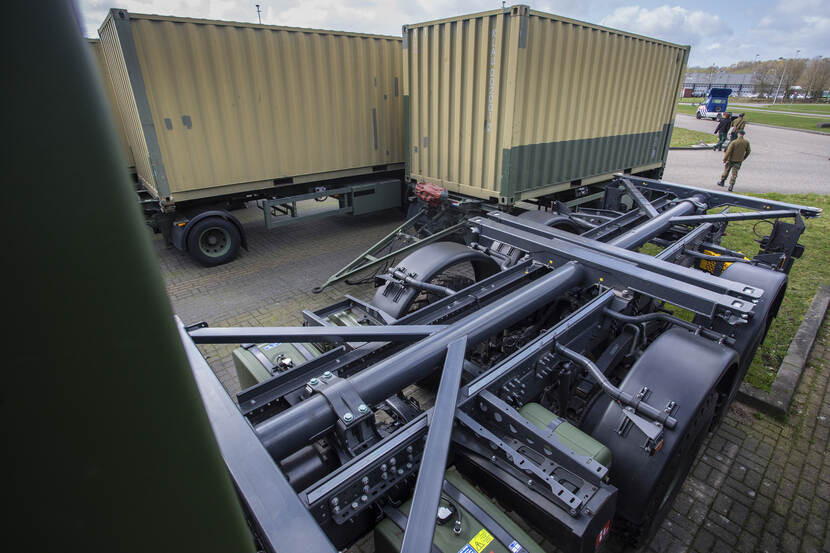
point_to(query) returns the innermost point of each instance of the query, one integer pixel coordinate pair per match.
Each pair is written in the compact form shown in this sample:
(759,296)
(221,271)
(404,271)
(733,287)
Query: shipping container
(217,114)
(513,104)
(97,53)
(213,107)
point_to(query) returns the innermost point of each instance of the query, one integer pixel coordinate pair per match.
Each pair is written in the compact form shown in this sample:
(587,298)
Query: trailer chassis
(617,297)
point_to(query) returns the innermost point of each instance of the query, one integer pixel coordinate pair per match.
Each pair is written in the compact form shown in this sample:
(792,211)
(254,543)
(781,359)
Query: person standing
(722,130)
(737,151)
(738,124)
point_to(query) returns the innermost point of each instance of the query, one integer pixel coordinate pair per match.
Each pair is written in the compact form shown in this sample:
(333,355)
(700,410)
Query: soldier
(722,130)
(738,124)
(737,151)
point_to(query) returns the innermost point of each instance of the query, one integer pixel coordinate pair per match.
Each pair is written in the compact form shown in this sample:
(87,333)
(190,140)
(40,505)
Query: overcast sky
(720,32)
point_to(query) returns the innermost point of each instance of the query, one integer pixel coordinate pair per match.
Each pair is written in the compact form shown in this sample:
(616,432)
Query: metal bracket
(194,326)
(570,502)
(652,430)
(355,426)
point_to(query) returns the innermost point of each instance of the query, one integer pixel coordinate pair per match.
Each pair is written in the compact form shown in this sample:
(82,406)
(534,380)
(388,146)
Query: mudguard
(425,263)
(747,336)
(555,220)
(680,367)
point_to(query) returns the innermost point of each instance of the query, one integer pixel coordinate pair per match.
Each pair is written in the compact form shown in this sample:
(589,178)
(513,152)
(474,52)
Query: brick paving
(758,485)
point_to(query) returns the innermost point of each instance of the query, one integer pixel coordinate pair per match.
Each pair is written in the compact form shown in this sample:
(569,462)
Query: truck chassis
(578,325)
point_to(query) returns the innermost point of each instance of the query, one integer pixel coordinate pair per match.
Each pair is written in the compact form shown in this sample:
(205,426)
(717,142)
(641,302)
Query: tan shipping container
(515,104)
(98,54)
(213,108)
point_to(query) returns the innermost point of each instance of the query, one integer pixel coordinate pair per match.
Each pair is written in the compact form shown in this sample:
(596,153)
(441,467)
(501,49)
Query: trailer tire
(698,116)
(213,241)
(681,367)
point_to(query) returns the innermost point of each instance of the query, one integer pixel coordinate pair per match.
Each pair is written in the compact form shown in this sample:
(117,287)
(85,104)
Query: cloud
(795,25)
(671,23)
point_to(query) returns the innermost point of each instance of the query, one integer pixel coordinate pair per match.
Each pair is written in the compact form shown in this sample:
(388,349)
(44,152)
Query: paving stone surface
(758,484)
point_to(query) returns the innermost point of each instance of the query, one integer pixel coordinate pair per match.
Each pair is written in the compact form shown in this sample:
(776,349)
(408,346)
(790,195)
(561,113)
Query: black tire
(697,115)
(213,241)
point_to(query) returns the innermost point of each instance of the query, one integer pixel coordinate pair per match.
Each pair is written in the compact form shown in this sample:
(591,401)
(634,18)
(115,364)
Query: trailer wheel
(213,241)
(697,115)
(677,367)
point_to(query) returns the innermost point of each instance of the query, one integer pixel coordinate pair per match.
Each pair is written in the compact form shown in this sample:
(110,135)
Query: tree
(767,76)
(794,68)
(816,77)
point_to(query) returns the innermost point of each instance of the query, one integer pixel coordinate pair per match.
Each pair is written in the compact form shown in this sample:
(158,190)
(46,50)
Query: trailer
(218,115)
(533,369)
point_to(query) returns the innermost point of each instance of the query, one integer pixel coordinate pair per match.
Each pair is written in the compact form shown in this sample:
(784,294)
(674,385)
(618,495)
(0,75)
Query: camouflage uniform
(735,154)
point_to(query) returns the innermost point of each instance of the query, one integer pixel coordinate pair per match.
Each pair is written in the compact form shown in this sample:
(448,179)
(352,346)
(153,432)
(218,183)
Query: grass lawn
(691,100)
(776,119)
(807,273)
(801,108)
(685,137)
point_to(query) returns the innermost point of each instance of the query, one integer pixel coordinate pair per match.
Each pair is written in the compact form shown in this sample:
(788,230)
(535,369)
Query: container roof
(198,21)
(507,10)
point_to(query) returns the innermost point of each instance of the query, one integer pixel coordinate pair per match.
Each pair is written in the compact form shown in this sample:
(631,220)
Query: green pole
(107,445)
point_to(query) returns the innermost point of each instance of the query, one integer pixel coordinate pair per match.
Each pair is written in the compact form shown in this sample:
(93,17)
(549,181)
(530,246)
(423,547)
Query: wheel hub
(215,242)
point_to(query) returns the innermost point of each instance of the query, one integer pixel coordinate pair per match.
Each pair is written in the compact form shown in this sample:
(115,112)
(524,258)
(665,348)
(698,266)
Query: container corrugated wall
(98,54)
(515,103)
(238,106)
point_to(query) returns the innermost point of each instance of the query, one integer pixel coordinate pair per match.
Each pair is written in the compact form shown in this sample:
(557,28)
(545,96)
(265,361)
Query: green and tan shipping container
(514,104)
(213,107)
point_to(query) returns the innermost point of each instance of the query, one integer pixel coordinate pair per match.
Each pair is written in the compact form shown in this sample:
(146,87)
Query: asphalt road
(782,160)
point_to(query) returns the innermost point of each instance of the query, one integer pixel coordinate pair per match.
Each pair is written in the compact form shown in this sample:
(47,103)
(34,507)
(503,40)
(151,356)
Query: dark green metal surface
(407,123)
(526,168)
(107,446)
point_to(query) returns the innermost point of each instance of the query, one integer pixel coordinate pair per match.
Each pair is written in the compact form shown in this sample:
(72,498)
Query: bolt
(348,417)
(409,465)
(362,408)
(409,449)
(392,461)
(384,476)
(327,375)
(383,467)
(364,498)
(493,458)
(366,489)
(400,472)
(334,501)
(336,510)
(314,381)
(355,505)
(530,482)
(364,480)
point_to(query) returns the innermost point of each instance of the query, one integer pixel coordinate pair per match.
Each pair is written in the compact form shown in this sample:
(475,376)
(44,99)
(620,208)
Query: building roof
(720,77)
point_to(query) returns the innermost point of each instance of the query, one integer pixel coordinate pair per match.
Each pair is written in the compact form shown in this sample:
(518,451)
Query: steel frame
(397,353)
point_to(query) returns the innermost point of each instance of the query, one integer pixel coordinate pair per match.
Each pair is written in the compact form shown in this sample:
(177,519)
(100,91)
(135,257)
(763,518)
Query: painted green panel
(407,144)
(535,166)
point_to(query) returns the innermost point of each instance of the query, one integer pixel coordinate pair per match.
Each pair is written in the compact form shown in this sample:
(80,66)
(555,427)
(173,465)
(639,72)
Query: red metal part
(430,193)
